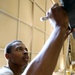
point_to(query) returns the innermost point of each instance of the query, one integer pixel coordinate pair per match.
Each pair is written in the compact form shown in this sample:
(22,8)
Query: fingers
(57,16)
(55,5)
(68,33)
(49,11)
(73,29)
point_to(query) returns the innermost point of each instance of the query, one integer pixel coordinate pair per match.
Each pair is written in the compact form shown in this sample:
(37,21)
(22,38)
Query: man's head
(17,53)
(10,45)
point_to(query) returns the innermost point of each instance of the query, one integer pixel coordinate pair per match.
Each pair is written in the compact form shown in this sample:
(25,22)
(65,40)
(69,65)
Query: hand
(58,16)
(68,32)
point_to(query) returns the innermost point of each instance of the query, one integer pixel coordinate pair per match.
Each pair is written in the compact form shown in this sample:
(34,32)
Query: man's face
(19,54)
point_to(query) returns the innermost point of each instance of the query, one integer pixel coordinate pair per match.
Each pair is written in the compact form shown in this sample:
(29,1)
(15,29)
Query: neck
(17,69)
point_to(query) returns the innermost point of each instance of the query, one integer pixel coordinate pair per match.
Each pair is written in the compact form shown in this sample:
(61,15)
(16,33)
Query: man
(17,55)
(44,63)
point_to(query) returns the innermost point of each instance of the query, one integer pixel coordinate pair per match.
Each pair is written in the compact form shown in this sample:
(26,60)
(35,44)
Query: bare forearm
(46,60)
(52,47)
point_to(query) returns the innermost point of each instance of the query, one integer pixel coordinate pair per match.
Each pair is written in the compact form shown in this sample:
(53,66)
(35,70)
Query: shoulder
(5,71)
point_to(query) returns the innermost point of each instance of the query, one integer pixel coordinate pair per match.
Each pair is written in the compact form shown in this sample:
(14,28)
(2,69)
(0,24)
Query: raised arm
(44,63)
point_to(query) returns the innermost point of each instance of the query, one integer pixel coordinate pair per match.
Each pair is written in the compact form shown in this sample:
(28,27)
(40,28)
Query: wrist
(63,26)
(62,29)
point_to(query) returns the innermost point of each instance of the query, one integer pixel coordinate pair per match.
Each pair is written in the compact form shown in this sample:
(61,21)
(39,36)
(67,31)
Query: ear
(7,55)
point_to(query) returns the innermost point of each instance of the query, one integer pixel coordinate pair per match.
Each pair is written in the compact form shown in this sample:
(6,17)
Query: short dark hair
(10,45)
